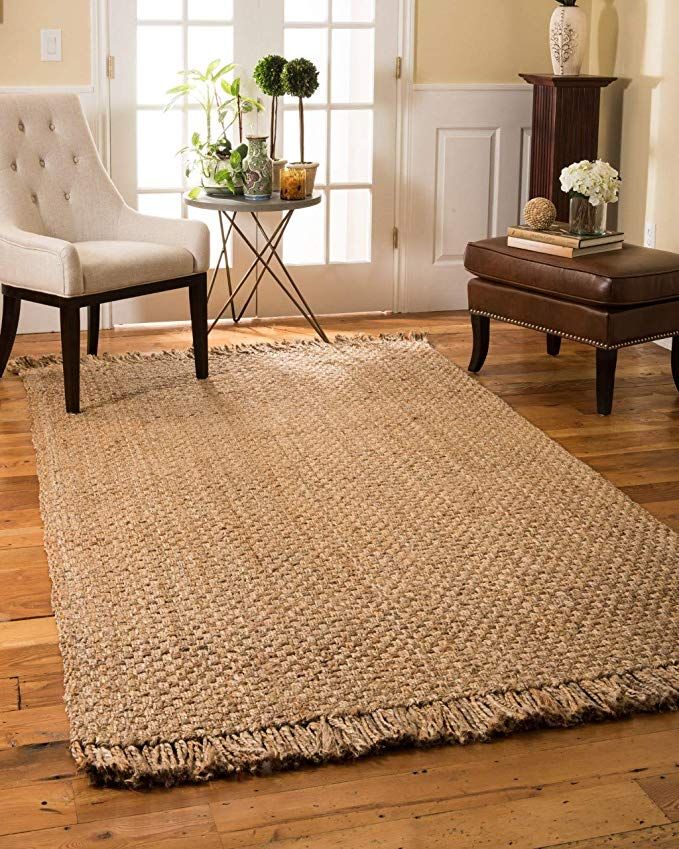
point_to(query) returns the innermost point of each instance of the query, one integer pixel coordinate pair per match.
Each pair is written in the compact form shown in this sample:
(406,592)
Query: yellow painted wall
(20,63)
(457,40)
(483,41)
(636,40)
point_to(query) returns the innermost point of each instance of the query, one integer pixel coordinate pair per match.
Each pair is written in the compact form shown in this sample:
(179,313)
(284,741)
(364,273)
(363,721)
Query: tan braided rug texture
(324,549)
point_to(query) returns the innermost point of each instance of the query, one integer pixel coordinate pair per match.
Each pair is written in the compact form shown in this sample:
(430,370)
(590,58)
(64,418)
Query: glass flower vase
(585,219)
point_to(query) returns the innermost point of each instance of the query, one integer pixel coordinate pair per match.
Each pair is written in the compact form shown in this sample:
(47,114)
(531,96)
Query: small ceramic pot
(568,40)
(311,168)
(278,165)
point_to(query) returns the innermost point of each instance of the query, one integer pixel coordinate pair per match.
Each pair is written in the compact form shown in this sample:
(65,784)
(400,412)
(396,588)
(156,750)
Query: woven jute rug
(326,549)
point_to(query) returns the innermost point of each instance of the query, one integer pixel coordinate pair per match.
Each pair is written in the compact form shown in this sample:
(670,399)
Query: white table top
(241,204)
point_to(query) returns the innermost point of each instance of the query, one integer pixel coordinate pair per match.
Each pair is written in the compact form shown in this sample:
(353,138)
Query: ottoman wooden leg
(675,360)
(553,344)
(606,362)
(481,331)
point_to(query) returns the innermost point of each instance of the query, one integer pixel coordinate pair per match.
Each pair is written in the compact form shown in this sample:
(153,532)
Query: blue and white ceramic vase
(258,170)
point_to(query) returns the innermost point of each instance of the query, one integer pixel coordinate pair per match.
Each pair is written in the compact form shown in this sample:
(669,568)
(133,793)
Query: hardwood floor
(613,785)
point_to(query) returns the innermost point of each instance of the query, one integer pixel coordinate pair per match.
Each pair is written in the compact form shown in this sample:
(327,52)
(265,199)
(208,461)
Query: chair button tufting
(34,198)
(67,195)
(13,166)
(51,125)
(21,126)
(76,160)
(42,163)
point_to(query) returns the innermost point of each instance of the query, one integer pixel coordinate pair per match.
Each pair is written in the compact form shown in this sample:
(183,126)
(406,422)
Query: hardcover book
(562,250)
(558,235)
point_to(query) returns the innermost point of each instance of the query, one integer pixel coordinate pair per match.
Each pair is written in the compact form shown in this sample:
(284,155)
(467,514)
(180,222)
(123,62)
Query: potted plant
(591,186)
(568,38)
(300,79)
(212,155)
(268,75)
(238,104)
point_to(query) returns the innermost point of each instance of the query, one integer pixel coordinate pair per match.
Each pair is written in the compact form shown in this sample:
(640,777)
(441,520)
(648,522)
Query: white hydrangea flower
(598,181)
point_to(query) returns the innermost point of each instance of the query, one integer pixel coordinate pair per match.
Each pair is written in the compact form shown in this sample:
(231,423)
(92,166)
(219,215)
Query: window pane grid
(342,27)
(184,27)
(347,202)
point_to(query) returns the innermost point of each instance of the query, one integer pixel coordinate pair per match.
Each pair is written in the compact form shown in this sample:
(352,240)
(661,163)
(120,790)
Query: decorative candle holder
(293,184)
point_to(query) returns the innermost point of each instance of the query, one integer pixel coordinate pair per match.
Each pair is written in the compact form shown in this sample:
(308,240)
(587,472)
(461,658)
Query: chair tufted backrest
(52,181)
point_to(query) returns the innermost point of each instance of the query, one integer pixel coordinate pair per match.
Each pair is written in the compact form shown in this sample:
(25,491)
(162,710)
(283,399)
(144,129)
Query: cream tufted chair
(68,239)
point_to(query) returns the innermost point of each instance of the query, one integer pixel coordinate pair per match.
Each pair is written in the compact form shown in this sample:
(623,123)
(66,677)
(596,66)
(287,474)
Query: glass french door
(340,252)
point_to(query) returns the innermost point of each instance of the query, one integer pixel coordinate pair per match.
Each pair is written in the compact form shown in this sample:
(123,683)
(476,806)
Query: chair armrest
(193,236)
(32,261)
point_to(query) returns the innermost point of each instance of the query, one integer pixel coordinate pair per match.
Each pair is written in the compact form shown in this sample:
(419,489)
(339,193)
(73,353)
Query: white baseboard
(246,322)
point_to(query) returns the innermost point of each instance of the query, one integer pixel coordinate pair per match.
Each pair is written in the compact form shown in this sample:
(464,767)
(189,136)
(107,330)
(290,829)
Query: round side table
(228,210)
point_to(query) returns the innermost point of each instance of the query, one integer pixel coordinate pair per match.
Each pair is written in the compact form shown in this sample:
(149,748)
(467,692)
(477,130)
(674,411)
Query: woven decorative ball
(539,213)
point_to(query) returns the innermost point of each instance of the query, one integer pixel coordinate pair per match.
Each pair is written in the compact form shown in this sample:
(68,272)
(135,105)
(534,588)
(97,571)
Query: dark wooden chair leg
(481,331)
(11,307)
(553,344)
(675,360)
(198,305)
(93,312)
(606,362)
(69,317)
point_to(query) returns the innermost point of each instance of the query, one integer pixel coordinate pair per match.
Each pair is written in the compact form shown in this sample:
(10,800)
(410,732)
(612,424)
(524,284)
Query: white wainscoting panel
(465,159)
(467,177)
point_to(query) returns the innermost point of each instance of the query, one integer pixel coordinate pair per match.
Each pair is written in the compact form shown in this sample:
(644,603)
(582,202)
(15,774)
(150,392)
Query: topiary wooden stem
(272,135)
(301,130)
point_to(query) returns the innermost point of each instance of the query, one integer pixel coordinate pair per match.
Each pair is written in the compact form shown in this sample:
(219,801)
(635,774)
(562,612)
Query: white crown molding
(472,87)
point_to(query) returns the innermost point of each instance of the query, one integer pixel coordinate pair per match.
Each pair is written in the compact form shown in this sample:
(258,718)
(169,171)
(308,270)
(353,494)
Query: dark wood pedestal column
(565,130)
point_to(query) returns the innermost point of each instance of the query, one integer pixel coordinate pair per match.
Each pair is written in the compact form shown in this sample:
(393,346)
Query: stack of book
(559,242)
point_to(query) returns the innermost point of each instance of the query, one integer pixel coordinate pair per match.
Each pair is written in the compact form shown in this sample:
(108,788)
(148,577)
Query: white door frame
(406,39)
(406,50)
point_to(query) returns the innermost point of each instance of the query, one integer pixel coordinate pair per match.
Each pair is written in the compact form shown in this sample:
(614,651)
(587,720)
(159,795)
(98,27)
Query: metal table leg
(275,239)
(271,244)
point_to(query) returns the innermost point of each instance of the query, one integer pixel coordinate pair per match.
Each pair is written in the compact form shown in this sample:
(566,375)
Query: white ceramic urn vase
(568,40)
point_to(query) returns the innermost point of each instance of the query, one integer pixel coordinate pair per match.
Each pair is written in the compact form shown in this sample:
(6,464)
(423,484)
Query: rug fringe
(21,364)
(462,720)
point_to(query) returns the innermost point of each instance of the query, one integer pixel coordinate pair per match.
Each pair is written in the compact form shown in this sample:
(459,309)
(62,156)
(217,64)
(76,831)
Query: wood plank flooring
(613,785)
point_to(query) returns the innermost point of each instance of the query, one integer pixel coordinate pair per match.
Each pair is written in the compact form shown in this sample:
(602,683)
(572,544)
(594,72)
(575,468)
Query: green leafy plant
(268,75)
(300,78)
(213,155)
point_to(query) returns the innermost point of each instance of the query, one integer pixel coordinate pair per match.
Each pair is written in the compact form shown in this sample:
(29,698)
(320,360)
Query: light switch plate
(650,235)
(50,45)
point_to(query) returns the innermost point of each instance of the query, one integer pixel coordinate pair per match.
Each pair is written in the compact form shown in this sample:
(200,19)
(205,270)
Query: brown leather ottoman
(609,301)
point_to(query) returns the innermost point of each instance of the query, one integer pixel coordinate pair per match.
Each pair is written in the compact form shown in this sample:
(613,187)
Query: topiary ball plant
(268,75)
(300,78)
